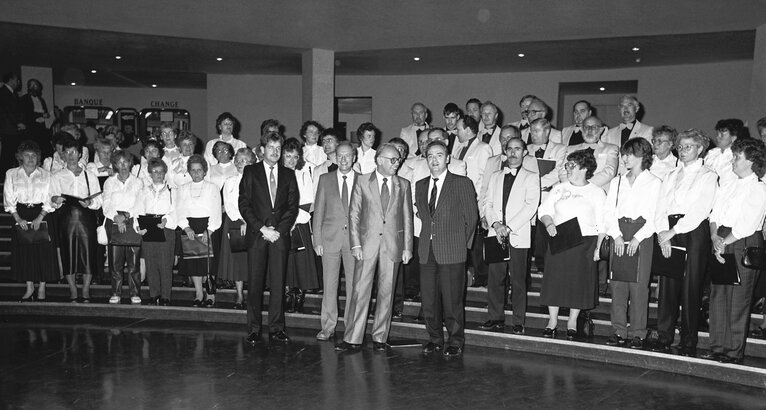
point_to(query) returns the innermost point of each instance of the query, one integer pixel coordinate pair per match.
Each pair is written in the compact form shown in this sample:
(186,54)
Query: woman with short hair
(223,168)
(227,126)
(178,172)
(152,149)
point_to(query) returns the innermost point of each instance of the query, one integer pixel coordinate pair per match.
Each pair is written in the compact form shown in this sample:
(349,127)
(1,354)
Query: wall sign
(88,101)
(164,104)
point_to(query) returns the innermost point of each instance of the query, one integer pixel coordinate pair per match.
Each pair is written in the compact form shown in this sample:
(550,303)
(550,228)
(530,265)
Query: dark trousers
(730,304)
(159,265)
(266,261)
(497,287)
(442,289)
(119,256)
(408,279)
(686,292)
(476,257)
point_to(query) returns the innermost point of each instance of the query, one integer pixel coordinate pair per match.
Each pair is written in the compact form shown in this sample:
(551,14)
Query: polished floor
(48,362)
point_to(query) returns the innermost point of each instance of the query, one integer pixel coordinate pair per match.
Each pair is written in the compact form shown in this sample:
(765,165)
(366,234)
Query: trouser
(408,279)
(159,265)
(443,300)
(686,292)
(119,256)
(266,260)
(331,262)
(497,287)
(635,293)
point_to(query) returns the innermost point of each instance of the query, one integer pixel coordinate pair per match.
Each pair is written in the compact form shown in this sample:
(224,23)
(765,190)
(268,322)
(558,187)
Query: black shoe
(397,315)
(431,347)
(198,303)
(379,347)
(210,303)
(453,351)
(279,336)
(164,302)
(660,347)
(729,360)
(238,306)
(571,334)
(518,330)
(688,351)
(711,356)
(31,298)
(615,340)
(343,346)
(550,333)
(492,325)
(253,338)
(636,343)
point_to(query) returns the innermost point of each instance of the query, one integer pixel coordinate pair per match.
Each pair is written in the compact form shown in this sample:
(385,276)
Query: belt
(27,205)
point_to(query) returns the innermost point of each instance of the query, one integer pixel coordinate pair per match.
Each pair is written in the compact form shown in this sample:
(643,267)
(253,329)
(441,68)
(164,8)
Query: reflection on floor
(127,363)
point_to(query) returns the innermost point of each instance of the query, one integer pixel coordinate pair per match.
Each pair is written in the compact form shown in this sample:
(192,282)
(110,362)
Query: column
(758,85)
(319,86)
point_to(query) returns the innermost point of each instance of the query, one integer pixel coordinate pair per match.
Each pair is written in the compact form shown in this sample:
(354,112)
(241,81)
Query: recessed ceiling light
(73,83)
(154,85)
(416,58)
(602,89)
(521,54)
(219,59)
(638,60)
(117,57)
(636,48)
(93,71)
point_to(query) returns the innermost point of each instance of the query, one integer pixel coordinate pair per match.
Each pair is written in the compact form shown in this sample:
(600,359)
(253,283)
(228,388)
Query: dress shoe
(210,303)
(379,346)
(729,360)
(492,325)
(550,333)
(518,330)
(571,334)
(397,315)
(343,346)
(688,351)
(323,336)
(431,347)
(711,356)
(453,351)
(164,302)
(253,338)
(636,343)
(615,340)
(238,306)
(660,347)
(198,303)
(31,298)
(279,336)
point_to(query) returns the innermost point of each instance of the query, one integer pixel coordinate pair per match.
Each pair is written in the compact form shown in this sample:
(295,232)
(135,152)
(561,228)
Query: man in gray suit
(446,204)
(380,225)
(331,239)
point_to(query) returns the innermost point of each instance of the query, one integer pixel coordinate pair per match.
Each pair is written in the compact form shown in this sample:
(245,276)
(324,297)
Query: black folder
(236,239)
(153,232)
(625,268)
(672,267)
(568,235)
(495,252)
(544,166)
(726,273)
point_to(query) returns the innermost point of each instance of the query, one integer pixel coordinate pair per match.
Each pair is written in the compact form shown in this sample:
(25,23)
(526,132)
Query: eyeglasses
(656,141)
(591,128)
(687,147)
(394,160)
(534,111)
(157,171)
(570,166)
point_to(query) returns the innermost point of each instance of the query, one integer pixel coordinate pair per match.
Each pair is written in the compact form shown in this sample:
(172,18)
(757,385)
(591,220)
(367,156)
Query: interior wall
(254,98)
(192,100)
(683,96)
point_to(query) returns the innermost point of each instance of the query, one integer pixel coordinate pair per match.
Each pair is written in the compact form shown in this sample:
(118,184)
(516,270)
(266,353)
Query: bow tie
(523,126)
(592,146)
(628,126)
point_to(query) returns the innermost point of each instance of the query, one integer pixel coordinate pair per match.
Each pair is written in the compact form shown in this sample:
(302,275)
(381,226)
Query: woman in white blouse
(199,215)
(685,202)
(56,162)
(224,167)
(152,149)
(120,195)
(629,219)
(233,265)
(26,196)
(301,273)
(102,162)
(227,126)
(735,223)
(75,194)
(179,172)
(157,200)
(168,135)
(570,278)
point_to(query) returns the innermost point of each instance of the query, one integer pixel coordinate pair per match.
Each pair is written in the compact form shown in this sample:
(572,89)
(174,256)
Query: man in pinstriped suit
(449,221)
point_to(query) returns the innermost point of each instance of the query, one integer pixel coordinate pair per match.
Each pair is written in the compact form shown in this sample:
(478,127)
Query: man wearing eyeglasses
(631,127)
(538,109)
(380,233)
(607,155)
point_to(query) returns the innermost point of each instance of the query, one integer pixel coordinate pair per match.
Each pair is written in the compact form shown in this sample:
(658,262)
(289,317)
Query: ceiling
(175,43)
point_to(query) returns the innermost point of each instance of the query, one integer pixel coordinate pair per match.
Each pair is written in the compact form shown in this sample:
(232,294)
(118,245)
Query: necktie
(432,200)
(272,185)
(344,193)
(384,195)
(539,153)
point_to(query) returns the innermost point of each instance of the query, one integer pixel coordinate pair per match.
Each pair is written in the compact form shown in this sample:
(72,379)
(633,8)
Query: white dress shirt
(55,163)
(720,161)
(567,201)
(178,174)
(171,154)
(121,196)
(740,205)
(350,177)
(64,182)
(439,185)
(157,200)
(688,190)
(210,155)
(231,197)
(314,155)
(306,191)
(96,166)
(633,201)
(199,200)
(27,189)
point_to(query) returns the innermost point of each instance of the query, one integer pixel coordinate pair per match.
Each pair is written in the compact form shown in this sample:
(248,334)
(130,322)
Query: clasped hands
(24,225)
(269,234)
(160,225)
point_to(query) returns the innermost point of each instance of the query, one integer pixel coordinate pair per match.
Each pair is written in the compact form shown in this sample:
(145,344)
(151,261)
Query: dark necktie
(272,185)
(432,200)
(344,193)
(384,195)
(539,153)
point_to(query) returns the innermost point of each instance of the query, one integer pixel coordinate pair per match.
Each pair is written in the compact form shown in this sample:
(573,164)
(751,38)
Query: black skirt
(301,264)
(231,265)
(570,278)
(77,238)
(35,262)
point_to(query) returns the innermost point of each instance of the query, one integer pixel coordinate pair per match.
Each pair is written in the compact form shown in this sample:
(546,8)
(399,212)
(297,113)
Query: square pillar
(758,85)
(318,95)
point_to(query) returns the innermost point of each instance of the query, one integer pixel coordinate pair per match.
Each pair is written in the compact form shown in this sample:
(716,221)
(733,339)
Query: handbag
(754,258)
(193,248)
(128,238)
(32,236)
(101,237)
(607,244)
(237,241)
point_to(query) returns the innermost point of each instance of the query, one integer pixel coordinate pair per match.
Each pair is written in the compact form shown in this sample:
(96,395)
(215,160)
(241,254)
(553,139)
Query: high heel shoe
(550,333)
(31,298)
(571,334)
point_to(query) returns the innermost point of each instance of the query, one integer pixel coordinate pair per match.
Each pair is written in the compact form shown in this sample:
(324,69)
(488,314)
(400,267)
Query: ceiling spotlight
(636,48)
(117,57)
(73,83)
(154,85)
(638,60)
(219,59)
(93,71)
(521,54)
(602,89)
(416,58)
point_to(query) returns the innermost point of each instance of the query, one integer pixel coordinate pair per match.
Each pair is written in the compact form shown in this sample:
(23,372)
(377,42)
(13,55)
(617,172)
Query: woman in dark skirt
(301,273)
(233,263)
(199,215)
(570,278)
(26,196)
(76,196)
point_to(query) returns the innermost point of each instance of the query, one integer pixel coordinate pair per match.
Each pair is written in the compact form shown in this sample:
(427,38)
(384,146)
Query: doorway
(350,113)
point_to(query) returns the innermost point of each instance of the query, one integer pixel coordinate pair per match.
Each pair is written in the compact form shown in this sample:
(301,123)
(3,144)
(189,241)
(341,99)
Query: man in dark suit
(446,204)
(268,201)
(380,225)
(34,112)
(331,239)
(12,126)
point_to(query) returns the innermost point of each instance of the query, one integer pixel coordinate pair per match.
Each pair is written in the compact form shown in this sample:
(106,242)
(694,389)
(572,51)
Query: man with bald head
(572,135)
(630,127)
(539,109)
(410,133)
(607,155)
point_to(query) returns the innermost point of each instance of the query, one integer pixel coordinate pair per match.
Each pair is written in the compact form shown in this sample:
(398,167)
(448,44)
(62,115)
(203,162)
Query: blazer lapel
(445,188)
(375,191)
(334,192)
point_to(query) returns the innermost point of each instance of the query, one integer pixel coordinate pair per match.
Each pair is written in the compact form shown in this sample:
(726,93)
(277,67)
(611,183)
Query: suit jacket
(521,207)
(554,152)
(453,223)
(614,135)
(607,163)
(10,111)
(554,136)
(494,141)
(330,221)
(566,135)
(494,163)
(391,234)
(28,114)
(255,204)
(476,161)
(410,135)
(415,169)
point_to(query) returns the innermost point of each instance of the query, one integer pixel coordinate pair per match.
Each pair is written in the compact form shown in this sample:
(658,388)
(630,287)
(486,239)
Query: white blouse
(219,173)
(688,190)
(567,201)
(306,191)
(365,162)
(64,182)
(95,167)
(199,200)
(178,175)
(741,205)
(141,171)
(171,154)
(662,167)
(231,197)
(121,196)
(27,189)
(314,155)
(633,201)
(54,163)
(210,156)
(720,161)
(157,200)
